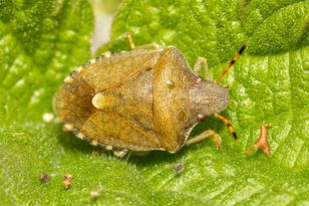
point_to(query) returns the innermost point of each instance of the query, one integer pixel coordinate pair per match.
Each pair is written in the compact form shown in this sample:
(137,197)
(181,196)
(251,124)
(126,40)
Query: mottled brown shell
(137,100)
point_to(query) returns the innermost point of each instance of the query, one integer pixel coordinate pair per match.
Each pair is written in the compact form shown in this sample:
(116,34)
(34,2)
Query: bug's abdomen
(121,117)
(72,102)
(133,100)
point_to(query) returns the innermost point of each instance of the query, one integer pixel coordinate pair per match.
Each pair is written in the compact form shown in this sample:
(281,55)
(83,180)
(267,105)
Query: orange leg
(152,45)
(228,124)
(232,62)
(204,135)
(120,154)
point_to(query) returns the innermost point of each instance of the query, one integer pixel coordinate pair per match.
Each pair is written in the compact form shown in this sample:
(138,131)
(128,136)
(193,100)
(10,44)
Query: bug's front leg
(201,65)
(204,135)
(228,124)
(132,45)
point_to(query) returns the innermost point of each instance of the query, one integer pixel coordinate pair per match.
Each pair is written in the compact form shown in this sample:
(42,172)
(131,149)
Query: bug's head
(207,97)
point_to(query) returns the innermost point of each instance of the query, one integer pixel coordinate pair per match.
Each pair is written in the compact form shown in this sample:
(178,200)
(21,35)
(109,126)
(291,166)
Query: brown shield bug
(140,101)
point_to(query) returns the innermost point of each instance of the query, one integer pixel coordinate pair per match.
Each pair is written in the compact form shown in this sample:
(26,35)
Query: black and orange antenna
(232,62)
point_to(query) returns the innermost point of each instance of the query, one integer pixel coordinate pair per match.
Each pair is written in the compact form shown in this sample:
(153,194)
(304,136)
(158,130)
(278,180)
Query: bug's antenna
(232,62)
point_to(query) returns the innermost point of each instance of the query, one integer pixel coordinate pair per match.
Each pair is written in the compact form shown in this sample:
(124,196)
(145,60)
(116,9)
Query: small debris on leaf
(95,193)
(44,178)
(261,142)
(68,180)
(178,167)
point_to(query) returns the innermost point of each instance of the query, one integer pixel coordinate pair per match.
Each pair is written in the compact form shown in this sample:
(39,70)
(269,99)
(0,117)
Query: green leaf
(41,42)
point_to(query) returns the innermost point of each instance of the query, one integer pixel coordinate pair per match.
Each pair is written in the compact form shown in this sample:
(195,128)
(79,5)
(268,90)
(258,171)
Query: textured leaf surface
(43,41)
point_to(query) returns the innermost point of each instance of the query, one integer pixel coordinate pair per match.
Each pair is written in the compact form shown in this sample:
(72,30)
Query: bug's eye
(200,117)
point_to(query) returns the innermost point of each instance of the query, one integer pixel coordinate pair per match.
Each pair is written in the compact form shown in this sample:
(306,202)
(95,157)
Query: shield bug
(141,100)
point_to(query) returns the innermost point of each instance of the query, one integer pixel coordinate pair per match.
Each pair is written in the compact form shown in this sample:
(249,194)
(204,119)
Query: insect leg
(204,135)
(232,62)
(152,45)
(200,64)
(228,124)
(141,153)
(130,40)
(120,153)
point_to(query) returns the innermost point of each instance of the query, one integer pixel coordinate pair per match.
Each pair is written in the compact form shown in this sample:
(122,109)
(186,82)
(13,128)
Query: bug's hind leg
(132,45)
(201,65)
(228,124)
(120,153)
(204,135)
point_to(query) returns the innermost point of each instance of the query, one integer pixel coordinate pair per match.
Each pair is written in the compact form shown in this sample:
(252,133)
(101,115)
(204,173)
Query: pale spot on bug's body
(68,80)
(93,61)
(107,54)
(94,142)
(96,101)
(109,147)
(80,135)
(79,69)
(170,83)
(68,127)
(101,101)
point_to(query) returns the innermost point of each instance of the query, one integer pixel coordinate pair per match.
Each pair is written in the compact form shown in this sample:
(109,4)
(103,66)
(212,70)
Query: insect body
(140,101)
